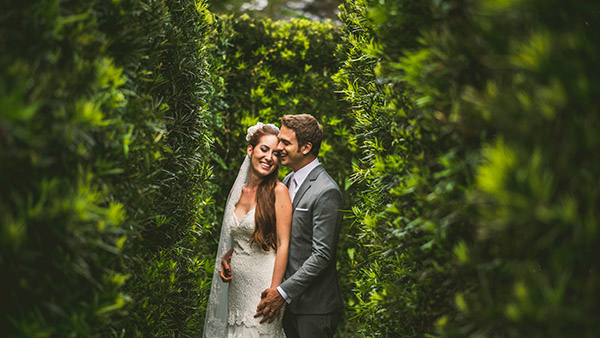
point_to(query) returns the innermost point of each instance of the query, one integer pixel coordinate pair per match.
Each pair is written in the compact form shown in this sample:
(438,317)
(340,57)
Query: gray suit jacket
(311,276)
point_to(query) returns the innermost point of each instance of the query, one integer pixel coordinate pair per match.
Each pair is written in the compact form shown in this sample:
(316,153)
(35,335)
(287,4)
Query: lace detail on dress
(252,271)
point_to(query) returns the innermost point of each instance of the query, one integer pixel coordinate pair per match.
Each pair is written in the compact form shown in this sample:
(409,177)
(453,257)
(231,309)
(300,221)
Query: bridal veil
(215,322)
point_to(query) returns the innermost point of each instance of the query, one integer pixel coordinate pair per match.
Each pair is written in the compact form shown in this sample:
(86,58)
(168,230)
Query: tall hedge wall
(478,121)
(103,192)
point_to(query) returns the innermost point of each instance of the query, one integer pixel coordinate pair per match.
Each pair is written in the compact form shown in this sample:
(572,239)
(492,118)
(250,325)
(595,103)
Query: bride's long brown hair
(265,229)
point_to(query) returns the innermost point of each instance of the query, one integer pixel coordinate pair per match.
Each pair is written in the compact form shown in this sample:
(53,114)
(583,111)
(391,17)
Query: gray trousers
(310,326)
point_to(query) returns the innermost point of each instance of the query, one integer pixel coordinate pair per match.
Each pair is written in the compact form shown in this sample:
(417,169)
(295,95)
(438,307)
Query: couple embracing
(276,260)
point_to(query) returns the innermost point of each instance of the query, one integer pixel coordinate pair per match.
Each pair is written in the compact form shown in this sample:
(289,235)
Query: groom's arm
(326,223)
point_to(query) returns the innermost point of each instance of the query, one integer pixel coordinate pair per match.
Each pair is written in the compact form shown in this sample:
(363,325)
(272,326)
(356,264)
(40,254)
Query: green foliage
(102,148)
(278,9)
(401,265)
(480,197)
(273,68)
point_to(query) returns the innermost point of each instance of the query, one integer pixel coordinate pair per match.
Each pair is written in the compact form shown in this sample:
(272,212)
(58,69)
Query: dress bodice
(251,270)
(241,231)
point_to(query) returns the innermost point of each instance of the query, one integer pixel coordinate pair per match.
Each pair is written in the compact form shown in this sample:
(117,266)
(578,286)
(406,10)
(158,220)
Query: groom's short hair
(307,129)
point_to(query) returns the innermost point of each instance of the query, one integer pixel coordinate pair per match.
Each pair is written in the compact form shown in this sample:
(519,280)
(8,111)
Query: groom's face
(289,151)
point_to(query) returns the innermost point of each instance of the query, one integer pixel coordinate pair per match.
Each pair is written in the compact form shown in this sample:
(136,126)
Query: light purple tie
(292,189)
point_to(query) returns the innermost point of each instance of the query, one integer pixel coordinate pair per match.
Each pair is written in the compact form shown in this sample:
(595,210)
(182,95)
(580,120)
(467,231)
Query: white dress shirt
(299,176)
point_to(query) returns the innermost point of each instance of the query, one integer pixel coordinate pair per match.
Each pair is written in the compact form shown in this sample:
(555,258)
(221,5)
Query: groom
(311,285)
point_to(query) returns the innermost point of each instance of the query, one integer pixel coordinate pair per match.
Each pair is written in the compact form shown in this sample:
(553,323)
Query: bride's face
(265,157)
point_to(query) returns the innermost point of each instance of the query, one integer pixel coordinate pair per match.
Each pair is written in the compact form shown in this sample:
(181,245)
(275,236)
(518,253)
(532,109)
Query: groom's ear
(306,148)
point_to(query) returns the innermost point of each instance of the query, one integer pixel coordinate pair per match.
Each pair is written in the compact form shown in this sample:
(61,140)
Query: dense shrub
(273,68)
(402,269)
(171,291)
(102,147)
(480,213)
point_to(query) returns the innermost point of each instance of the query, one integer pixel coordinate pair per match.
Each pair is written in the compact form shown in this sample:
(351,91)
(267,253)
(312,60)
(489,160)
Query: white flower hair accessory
(256,127)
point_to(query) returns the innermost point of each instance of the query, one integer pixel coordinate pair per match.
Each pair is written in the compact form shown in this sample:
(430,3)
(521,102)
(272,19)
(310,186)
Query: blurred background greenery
(318,10)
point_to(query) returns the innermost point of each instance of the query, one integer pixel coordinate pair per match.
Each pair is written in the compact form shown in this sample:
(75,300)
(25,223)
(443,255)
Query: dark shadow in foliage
(104,184)
(480,196)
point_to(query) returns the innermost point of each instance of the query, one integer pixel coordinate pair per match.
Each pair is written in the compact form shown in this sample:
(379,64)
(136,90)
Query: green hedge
(401,263)
(480,187)
(103,177)
(273,68)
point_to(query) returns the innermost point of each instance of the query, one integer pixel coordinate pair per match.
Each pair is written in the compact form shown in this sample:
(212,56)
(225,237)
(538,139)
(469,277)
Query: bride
(253,246)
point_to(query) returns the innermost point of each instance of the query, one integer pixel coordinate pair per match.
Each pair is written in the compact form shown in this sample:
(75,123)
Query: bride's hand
(226,267)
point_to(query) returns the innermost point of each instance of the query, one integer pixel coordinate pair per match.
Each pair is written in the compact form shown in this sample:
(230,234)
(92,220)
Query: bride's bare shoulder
(282,195)
(280,188)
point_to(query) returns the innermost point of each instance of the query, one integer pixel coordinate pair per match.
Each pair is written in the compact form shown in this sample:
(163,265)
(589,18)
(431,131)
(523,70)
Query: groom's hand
(270,305)
(226,268)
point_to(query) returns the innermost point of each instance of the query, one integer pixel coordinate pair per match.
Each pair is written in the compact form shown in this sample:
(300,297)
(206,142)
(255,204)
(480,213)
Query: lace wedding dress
(231,306)
(251,270)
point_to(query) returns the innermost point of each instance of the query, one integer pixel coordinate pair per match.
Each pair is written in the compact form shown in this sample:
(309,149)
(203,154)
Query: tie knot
(293,186)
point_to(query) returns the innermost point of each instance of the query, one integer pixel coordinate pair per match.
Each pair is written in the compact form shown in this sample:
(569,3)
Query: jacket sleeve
(326,220)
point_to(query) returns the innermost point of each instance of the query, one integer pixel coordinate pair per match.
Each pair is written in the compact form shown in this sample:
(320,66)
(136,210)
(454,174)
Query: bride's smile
(265,157)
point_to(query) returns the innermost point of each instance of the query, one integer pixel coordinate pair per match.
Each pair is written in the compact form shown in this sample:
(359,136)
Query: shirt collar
(303,172)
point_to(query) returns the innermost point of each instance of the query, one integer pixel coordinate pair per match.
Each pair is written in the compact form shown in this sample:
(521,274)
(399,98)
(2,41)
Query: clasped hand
(270,305)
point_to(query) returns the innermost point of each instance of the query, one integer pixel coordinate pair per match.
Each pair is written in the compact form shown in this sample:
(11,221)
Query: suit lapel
(286,180)
(306,185)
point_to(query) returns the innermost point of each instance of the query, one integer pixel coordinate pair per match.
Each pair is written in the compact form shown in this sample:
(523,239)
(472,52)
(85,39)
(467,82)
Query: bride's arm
(283,214)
